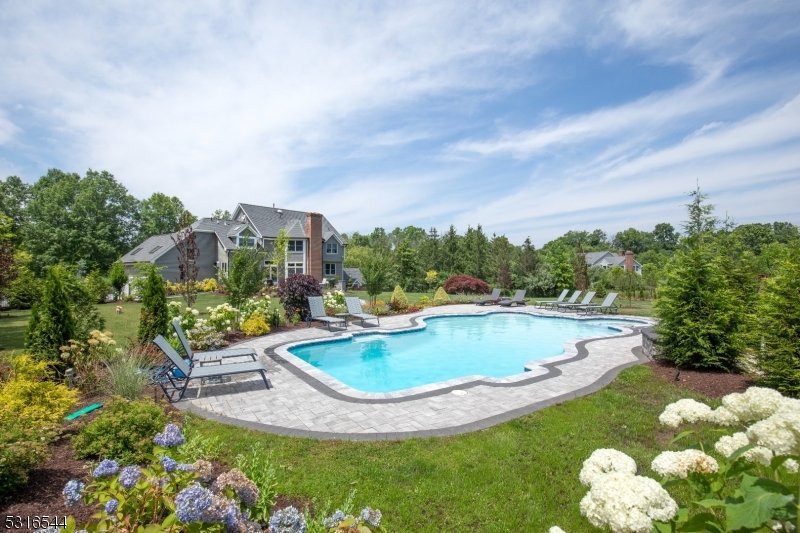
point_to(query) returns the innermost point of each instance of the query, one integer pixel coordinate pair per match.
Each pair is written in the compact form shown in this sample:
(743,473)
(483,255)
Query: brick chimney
(629,261)
(314,232)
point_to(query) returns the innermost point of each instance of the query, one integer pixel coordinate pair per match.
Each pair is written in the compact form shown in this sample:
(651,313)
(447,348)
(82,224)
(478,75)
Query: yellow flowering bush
(255,326)
(207,285)
(29,395)
(87,358)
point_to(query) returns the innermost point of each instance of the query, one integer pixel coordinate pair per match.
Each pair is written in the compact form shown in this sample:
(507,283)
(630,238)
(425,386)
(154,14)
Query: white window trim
(325,269)
(336,252)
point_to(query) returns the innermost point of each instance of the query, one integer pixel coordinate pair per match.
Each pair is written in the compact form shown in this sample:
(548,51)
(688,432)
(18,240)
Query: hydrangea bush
(752,482)
(334,301)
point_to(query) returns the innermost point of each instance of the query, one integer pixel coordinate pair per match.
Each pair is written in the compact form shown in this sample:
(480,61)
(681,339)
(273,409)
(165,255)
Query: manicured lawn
(12,329)
(413,297)
(518,476)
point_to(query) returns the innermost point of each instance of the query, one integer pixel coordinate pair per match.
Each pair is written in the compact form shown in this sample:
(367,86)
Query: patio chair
(174,376)
(540,304)
(572,300)
(354,309)
(318,313)
(518,299)
(204,357)
(587,300)
(608,306)
(491,299)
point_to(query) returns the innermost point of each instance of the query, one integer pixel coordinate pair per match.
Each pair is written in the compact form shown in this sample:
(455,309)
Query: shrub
(129,373)
(154,317)
(777,345)
(255,325)
(22,447)
(294,293)
(204,338)
(257,466)
(117,277)
(207,285)
(25,290)
(441,297)
(30,396)
(86,359)
(96,286)
(123,431)
(424,300)
(251,306)
(333,300)
(51,324)
(463,284)
(398,301)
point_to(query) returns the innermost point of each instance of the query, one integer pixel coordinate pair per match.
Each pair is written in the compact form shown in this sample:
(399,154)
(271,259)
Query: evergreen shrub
(441,297)
(123,431)
(154,317)
(25,290)
(463,284)
(398,300)
(294,293)
(51,324)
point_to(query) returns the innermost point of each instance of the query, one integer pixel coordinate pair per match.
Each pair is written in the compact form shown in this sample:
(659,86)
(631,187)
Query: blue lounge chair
(540,304)
(174,376)
(587,300)
(608,306)
(318,313)
(518,299)
(354,309)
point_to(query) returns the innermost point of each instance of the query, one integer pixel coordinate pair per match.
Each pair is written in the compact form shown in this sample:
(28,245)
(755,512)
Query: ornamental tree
(245,275)
(463,284)
(294,293)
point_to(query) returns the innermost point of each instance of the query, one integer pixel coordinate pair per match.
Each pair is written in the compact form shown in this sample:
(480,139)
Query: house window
(295,246)
(330,269)
(331,248)
(136,251)
(247,241)
(294,268)
(154,250)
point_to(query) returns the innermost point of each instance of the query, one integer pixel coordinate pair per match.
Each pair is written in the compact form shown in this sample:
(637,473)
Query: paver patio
(307,403)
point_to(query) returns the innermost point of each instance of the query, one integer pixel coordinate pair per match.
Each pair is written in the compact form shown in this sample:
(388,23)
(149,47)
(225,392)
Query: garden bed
(706,382)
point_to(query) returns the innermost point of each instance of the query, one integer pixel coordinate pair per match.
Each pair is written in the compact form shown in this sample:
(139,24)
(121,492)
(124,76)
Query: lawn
(519,476)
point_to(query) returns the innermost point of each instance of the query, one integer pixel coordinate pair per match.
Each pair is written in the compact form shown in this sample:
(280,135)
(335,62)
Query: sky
(529,118)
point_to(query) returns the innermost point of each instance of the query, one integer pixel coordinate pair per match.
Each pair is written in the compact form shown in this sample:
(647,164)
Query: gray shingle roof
(152,248)
(354,274)
(268,221)
(221,227)
(605,259)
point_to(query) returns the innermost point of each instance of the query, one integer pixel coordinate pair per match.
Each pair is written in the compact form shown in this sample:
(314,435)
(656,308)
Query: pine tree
(154,318)
(52,323)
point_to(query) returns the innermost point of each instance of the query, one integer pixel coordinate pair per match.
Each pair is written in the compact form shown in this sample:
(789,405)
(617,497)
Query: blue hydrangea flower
(371,516)
(168,463)
(129,476)
(287,520)
(171,437)
(335,519)
(73,492)
(233,518)
(106,468)
(191,502)
(111,506)
(185,467)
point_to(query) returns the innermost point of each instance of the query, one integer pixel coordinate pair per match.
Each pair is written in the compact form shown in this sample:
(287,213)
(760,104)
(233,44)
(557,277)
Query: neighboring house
(353,278)
(608,260)
(315,247)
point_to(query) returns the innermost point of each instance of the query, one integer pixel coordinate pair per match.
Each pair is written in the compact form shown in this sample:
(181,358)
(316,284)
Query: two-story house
(609,260)
(315,247)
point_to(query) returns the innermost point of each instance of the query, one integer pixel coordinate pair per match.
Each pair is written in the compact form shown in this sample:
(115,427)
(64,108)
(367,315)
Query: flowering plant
(333,300)
(87,358)
(187,319)
(204,338)
(222,317)
(750,484)
(254,306)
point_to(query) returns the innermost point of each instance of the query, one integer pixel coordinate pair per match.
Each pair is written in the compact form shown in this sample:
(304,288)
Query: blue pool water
(494,345)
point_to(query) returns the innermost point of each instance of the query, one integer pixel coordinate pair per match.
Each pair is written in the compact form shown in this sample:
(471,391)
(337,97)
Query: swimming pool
(492,345)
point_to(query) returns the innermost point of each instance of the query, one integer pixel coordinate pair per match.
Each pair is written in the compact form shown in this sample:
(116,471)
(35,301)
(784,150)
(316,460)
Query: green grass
(12,329)
(413,297)
(518,476)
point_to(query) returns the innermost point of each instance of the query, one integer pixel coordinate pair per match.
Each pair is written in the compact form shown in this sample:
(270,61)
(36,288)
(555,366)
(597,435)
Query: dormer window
(331,248)
(246,238)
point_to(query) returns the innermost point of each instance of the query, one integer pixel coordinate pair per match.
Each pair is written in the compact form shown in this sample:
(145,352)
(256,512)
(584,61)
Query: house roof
(151,249)
(222,228)
(268,221)
(606,259)
(354,274)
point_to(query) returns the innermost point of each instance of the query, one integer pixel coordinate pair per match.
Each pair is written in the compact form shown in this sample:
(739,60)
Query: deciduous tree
(162,214)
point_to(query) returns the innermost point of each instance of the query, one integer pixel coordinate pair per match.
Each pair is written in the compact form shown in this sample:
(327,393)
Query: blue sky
(530,118)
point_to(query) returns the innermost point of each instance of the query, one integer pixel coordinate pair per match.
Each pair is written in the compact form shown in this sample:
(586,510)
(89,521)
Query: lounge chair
(318,313)
(608,306)
(175,375)
(587,300)
(491,299)
(572,300)
(518,299)
(353,304)
(203,357)
(540,304)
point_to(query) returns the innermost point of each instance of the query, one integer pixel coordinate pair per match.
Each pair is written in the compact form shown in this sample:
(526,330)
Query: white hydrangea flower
(556,529)
(627,503)
(721,416)
(681,464)
(195,312)
(604,461)
(780,432)
(686,410)
(756,403)
(759,454)
(791,466)
(728,444)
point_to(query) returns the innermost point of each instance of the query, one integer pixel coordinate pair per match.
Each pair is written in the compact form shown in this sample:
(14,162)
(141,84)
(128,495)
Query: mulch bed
(707,383)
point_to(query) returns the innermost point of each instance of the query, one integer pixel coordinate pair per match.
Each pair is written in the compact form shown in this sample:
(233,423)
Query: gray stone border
(485,423)
(537,371)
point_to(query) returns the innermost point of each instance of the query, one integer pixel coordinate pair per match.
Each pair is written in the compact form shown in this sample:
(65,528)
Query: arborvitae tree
(154,317)
(52,323)
(405,259)
(118,277)
(476,252)
(701,311)
(776,342)
(451,259)
(581,269)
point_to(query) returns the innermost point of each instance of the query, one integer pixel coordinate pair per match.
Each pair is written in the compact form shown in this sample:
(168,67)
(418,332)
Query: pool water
(494,345)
